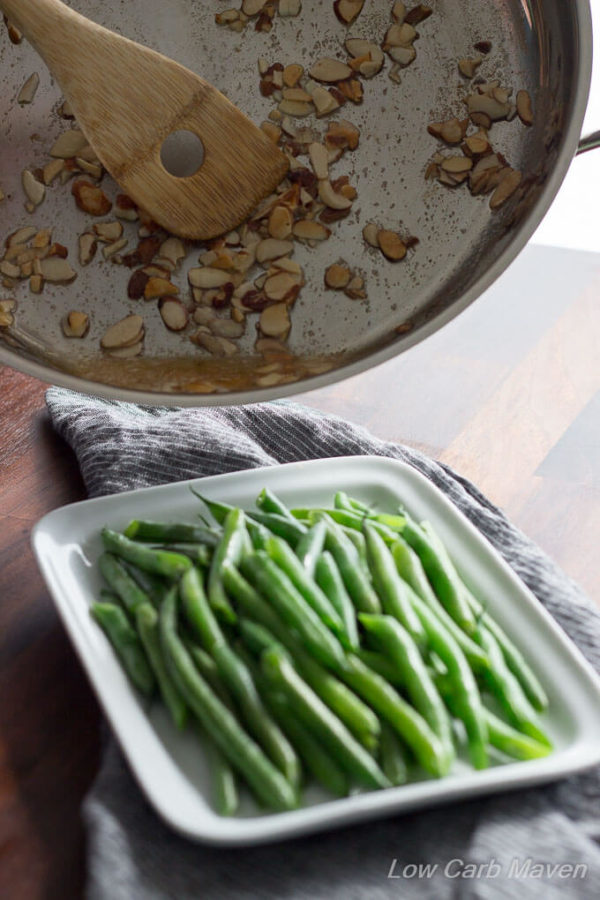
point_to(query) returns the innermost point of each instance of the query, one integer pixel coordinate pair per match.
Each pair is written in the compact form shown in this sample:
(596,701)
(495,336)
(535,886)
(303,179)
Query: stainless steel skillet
(542,46)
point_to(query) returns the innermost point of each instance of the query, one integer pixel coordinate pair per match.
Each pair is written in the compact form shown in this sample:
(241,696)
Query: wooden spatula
(127,100)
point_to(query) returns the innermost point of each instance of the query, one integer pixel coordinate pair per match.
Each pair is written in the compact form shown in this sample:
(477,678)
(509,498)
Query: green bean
(513,657)
(355,714)
(158,562)
(284,557)
(349,521)
(381,665)
(392,757)
(121,582)
(358,539)
(229,550)
(269,502)
(467,705)
(331,583)
(236,676)
(269,580)
(288,529)
(501,682)
(500,734)
(208,669)
(198,611)
(222,776)
(343,501)
(319,719)
(310,546)
(442,574)
(406,721)
(411,570)
(126,644)
(317,760)
(200,554)
(171,533)
(238,747)
(348,562)
(217,510)
(393,592)
(402,651)
(153,585)
(146,619)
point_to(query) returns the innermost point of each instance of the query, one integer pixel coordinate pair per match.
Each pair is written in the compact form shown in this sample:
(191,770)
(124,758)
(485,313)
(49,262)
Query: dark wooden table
(509,394)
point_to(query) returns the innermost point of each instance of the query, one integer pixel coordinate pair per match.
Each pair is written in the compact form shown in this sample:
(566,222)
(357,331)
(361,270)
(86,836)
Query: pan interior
(533,47)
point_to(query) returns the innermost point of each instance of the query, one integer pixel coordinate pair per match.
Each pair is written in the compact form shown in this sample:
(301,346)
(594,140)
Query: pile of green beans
(339,645)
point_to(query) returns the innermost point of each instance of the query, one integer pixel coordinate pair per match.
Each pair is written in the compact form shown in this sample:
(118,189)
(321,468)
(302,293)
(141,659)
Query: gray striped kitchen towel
(537,843)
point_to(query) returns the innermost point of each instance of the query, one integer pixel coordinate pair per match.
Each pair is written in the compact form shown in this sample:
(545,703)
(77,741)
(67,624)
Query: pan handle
(588,142)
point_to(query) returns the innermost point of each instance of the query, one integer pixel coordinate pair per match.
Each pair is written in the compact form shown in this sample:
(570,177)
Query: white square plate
(170,767)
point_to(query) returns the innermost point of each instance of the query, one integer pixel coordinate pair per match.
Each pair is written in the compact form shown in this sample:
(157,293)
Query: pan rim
(571,138)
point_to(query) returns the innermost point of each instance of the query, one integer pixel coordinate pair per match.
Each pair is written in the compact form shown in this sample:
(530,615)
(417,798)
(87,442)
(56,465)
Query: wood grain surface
(508,394)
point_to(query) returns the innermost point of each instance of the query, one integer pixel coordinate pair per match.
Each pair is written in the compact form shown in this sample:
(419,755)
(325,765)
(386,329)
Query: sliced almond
(42,238)
(125,208)
(272,249)
(288,8)
(348,10)
(292,74)
(282,286)
(358,47)
(69,144)
(36,284)
(29,89)
(296,93)
(342,134)
(87,248)
(159,287)
(57,270)
(110,251)
(226,328)
(125,333)
(456,165)
(217,346)
(370,232)
(75,324)
(172,249)
(319,160)
(272,131)
(10,269)
(297,108)
(7,308)
(477,144)
(402,56)
(391,244)
(137,284)
(337,277)
(252,8)
(355,289)
(21,236)
(418,14)
(275,321)
(309,230)
(469,65)
(108,232)
(332,199)
(90,198)
(330,70)
(174,313)
(399,11)
(399,35)
(325,103)
(508,185)
(34,189)
(52,170)
(483,103)
(206,277)
(280,223)
(524,107)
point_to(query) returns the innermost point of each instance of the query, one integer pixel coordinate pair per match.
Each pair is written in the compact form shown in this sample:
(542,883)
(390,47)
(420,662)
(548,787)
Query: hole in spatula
(182,153)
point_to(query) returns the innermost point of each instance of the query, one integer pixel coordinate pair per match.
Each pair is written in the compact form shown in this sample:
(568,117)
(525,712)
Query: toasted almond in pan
(355,289)
(87,248)
(337,276)
(297,108)
(418,14)
(370,232)
(348,10)
(205,277)
(159,287)
(524,107)
(289,8)
(174,313)
(509,183)
(271,248)
(469,65)
(57,270)
(110,251)
(252,7)
(275,321)
(10,269)
(332,199)
(90,198)
(309,230)
(456,165)
(7,308)
(391,244)
(217,346)
(75,324)
(330,70)
(108,232)
(227,328)
(29,89)
(35,191)
(125,333)
(325,103)
(282,286)
(292,74)
(36,284)
(280,223)
(272,131)
(128,352)
(21,235)
(69,144)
